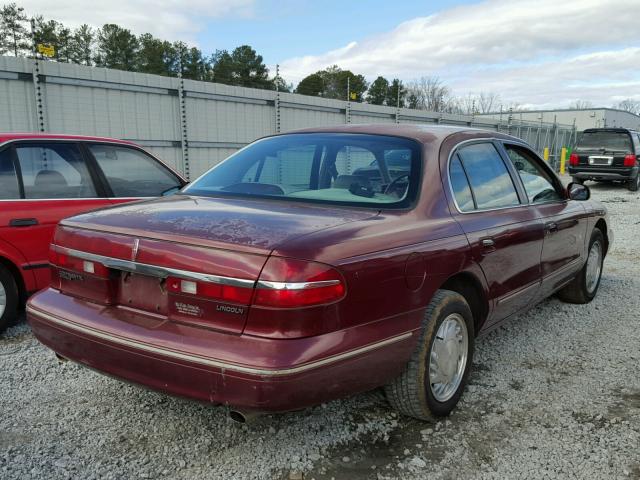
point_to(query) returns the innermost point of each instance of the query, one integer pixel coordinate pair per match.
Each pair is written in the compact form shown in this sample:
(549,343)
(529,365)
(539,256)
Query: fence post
(563,159)
(184,138)
(37,88)
(277,100)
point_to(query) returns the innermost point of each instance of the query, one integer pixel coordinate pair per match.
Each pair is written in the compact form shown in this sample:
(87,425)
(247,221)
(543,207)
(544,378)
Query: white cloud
(537,52)
(168,19)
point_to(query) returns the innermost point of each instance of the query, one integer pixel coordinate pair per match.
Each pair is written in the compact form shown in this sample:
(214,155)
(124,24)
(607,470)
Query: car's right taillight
(629,160)
(286,283)
(574,159)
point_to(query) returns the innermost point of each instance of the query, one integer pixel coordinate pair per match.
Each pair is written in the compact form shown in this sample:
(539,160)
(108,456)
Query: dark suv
(607,154)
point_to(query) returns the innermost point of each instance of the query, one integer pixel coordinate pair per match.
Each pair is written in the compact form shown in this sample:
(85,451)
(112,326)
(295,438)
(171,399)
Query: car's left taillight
(574,159)
(80,277)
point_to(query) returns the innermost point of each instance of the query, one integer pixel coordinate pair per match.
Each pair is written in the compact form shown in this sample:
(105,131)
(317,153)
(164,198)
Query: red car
(44,178)
(290,274)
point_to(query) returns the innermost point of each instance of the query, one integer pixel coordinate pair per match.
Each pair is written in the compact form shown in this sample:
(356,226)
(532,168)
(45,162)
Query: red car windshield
(349,169)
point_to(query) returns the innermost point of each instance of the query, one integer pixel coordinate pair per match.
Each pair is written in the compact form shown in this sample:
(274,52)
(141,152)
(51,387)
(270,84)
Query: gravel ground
(553,394)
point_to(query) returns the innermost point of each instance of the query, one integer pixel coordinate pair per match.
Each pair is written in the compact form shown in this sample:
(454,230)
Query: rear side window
(615,141)
(8,179)
(460,185)
(55,170)
(488,176)
(132,173)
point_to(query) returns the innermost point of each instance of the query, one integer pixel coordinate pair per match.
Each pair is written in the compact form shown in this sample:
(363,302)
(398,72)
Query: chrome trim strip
(154,270)
(295,285)
(210,362)
(512,295)
(562,270)
(163,272)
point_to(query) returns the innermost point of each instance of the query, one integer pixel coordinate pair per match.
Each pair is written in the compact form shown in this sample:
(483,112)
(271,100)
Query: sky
(537,53)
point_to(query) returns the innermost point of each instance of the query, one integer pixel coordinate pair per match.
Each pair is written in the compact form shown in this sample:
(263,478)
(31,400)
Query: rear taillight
(290,283)
(64,261)
(574,160)
(630,160)
(211,291)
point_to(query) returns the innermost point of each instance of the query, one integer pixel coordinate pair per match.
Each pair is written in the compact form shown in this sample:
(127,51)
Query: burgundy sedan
(316,264)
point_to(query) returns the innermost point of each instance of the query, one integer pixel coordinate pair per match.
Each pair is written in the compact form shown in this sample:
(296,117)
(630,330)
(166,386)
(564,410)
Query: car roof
(6,137)
(609,129)
(421,133)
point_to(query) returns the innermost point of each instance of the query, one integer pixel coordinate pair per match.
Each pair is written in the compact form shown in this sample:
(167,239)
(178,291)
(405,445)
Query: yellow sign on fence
(47,50)
(353,95)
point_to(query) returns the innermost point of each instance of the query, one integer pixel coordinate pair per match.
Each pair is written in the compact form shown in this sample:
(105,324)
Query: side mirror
(519,166)
(576,191)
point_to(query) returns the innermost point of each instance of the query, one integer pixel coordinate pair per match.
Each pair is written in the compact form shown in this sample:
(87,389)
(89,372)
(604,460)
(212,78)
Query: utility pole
(348,109)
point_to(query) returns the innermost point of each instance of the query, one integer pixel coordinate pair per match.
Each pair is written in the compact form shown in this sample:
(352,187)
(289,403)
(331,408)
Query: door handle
(23,222)
(550,227)
(488,245)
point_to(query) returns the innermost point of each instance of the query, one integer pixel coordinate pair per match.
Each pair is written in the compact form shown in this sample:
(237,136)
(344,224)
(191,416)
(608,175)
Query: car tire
(634,184)
(584,286)
(412,393)
(8,299)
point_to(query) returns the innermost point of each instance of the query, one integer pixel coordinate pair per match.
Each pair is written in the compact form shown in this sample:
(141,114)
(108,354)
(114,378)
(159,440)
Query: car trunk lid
(188,260)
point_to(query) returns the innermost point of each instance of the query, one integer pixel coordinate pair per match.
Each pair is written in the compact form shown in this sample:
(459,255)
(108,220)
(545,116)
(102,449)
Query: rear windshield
(617,141)
(344,169)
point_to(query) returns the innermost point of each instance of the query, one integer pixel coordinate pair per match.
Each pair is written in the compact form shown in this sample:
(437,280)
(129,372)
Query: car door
(54,182)
(504,233)
(565,221)
(131,173)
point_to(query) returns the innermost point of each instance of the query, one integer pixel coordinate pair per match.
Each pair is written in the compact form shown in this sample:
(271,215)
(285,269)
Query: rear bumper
(623,174)
(204,365)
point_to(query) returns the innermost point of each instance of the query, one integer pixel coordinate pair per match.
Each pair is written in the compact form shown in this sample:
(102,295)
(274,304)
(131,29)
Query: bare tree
(628,105)
(488,102)
(580,105)
(430,93)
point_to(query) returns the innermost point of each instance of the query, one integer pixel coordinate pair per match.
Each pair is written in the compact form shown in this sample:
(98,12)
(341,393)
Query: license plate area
(143,292)
(600,160)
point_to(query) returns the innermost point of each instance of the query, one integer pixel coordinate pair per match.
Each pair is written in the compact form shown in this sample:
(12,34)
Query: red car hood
(247,225)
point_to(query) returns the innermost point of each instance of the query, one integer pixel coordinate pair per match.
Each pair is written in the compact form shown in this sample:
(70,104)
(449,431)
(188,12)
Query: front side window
(537,183)
(54,170)
(9,189)
(321,168)
(132,173)
(488,176)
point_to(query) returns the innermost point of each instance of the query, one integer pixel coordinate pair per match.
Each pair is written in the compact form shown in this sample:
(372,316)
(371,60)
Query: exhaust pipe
(60,358)
(243,417)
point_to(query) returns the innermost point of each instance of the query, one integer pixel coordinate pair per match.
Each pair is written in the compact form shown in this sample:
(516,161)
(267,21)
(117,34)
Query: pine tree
(117,48)
(15,35)
(378,91)
(392,94)
(82,45)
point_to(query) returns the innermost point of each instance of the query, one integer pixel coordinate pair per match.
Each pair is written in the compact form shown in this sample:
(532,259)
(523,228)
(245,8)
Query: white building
(583,118)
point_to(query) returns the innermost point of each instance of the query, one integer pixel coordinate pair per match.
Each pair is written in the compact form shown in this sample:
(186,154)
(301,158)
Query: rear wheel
(584,287)
(8,298)
(634,184)
(435,377)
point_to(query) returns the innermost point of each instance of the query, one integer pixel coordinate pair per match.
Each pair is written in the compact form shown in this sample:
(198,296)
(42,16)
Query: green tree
(156,56)
(392,94)
(191,61)
(64,44)
(378,91)
(82,44)
(222,67)
(311,85)
(281,85)
(45,31)
(117,48)
(337,81)
(249,69)
(15,35)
